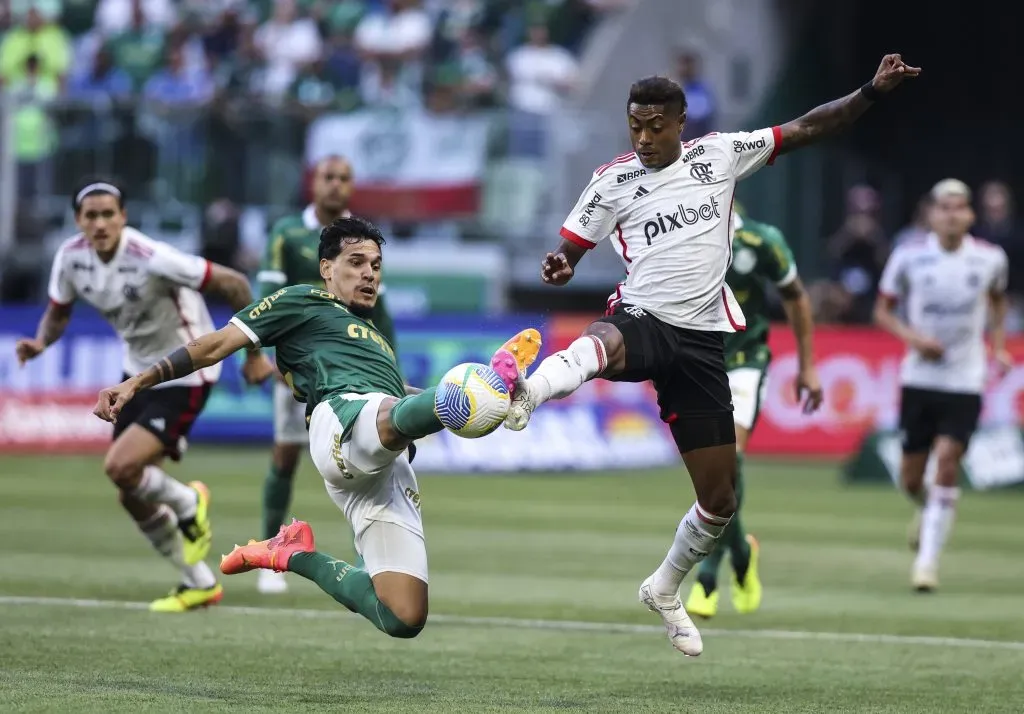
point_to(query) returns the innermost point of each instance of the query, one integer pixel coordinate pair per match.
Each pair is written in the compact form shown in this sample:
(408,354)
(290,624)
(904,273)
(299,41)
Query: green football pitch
(533,599)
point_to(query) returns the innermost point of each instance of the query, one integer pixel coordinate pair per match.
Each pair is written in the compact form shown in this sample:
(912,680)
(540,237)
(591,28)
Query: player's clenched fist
(555,269)
(891,72)
(112,400)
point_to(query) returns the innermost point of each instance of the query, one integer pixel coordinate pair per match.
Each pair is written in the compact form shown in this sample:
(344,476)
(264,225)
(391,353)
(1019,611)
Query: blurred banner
(859,370)
(47,406)
(408,165)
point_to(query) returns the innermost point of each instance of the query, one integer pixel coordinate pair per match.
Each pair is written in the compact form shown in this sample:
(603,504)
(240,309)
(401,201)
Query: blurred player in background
(292,259)
(952,285)
(150,293)
(667,207)
(760,256)
(363,418)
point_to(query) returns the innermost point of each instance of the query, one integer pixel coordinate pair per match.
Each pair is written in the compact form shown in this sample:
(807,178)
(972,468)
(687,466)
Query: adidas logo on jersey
(640,193)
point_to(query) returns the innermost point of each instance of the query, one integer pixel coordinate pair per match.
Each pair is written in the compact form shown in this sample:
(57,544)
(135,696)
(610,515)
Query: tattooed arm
(198,354)
(229,285)
(55,320)
(838,115)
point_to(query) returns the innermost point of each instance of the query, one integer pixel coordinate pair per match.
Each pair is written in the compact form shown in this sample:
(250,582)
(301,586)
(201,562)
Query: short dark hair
(657,90)
(96,186)
(347,230)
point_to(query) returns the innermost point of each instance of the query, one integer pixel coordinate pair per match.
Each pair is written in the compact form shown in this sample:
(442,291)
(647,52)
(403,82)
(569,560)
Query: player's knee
(720,501)
(614,345)
(124,473)
(409,620)
(947,467)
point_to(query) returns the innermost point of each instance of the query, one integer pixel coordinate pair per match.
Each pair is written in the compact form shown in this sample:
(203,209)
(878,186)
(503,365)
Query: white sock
(936,523)
(157,486)
(162,531)
(562,373)
(695,538)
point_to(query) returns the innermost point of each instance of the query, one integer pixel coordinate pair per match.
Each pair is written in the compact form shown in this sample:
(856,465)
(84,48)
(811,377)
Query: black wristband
(870,93)
(177,364)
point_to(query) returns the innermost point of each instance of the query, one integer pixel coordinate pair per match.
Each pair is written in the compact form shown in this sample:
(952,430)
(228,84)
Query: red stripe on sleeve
(777,137)
(206,275)
(577,239)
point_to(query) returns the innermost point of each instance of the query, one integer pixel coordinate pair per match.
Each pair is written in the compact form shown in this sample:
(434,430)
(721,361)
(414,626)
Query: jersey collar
(311,222)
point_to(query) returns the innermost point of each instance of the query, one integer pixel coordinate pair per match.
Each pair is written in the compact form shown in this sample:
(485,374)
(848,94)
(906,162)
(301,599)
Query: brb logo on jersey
(682,216)
(629,176)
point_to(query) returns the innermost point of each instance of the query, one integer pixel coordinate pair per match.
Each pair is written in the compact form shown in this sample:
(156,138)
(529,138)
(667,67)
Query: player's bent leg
(939,513)
(912,471)
(599,352)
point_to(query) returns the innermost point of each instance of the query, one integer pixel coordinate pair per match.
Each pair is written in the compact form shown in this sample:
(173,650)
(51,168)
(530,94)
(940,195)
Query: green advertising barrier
(995,459)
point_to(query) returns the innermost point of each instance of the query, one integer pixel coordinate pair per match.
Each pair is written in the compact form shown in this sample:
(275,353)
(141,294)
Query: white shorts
(289,417)
(370,484)
(748,385)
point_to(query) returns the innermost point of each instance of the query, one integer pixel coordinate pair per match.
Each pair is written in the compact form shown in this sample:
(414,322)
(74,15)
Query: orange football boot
(273,553)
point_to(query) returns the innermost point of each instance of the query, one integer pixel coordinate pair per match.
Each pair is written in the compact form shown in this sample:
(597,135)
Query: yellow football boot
(183,598)
(746,598)
(701,604)
(197,531)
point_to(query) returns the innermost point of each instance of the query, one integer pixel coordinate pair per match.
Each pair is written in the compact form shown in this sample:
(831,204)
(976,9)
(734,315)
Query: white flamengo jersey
(147,292)
(672,227)
(946,294)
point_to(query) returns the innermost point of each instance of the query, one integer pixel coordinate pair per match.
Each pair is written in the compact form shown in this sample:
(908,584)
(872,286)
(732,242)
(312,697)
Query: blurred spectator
(222,37)
(35,136)
(101,82)
(700,100)
(393,44)
(316,90)
(243,75)
(858,251)
(343,61)
(919,226)
(139,48)
(175,85)
(77,16)
(540,75)
(36,35)
(116,16)
(997,223)
(287,42)
(478,77)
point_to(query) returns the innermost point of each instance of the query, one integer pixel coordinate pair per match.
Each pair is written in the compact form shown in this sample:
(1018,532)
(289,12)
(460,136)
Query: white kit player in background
(149,292)
(665,207)
(952,285)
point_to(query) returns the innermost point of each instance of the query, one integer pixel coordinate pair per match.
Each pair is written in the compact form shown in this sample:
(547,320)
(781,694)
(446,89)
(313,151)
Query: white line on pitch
(563,625)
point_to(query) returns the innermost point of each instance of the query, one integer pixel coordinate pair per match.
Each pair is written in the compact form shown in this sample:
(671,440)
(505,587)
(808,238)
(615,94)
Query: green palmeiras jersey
(323,349)
(760,255)
(292,257)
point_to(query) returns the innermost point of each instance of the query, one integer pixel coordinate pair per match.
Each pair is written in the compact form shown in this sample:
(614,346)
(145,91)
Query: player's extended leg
(938,513)
(918,424)
(158,504)
(599,352)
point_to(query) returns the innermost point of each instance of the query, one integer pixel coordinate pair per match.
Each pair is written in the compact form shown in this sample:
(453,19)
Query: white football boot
(271,582)
(682,633)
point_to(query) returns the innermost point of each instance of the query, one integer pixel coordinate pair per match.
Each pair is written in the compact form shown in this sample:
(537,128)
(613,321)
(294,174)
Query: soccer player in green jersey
(292,258)
(362,418)
(760,256)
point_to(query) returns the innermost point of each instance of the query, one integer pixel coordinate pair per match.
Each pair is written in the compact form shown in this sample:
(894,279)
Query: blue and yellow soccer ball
(471,400)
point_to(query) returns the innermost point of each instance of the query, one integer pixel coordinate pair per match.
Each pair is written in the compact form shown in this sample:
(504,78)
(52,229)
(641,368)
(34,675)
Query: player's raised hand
(112,400)
(257,368)
(27,350)
(891,72)
(555,269)
(808,389)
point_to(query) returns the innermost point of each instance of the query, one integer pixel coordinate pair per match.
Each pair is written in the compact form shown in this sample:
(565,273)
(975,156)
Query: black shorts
(927,413)
(167,413)
(687,367)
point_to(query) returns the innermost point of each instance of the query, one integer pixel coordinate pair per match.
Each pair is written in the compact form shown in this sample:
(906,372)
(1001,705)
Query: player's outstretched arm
(52,325)
(838,115)
(198,354)
(797,305)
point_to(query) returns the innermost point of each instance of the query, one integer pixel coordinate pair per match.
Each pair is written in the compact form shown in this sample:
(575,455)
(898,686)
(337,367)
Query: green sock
(352,587)
(414,416)
(735,536)
(277,496)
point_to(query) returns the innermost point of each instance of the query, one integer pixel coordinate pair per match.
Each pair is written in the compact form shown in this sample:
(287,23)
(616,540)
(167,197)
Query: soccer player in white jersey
(666,208)
(150,293)
(952,285)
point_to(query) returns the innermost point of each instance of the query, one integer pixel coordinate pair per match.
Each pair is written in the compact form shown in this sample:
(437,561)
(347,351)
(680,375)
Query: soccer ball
(471,400)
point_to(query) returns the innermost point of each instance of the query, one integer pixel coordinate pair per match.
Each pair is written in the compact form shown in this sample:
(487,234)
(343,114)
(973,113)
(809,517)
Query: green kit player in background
(291,259)
(362,419)
(760,256)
